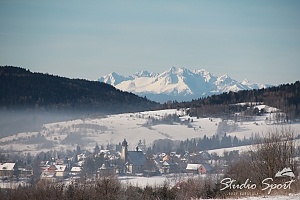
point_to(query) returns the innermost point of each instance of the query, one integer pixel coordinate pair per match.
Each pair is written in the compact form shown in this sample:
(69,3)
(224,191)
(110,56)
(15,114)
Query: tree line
(285,97)
(204,143)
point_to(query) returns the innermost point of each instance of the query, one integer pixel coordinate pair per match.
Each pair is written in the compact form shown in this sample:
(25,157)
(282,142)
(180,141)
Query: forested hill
(20,88)
(285,97)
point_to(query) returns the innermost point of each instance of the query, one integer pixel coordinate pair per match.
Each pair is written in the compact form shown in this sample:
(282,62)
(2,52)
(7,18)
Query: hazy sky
(256,39)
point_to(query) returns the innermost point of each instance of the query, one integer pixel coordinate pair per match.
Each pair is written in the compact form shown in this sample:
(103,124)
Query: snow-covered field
(290,197)
(134,127)
(170,179)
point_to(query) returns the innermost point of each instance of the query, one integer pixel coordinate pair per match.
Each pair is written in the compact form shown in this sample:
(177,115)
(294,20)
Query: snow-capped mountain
(177,84)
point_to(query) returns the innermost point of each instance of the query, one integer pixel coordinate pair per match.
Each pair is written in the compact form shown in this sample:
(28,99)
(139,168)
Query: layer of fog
(16,121)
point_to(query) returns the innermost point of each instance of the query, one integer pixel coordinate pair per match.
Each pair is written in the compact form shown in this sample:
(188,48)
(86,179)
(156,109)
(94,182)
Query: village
(207,155)
(89,166)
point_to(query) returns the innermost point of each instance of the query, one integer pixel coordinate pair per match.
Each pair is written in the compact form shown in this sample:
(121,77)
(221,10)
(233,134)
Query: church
(133,161)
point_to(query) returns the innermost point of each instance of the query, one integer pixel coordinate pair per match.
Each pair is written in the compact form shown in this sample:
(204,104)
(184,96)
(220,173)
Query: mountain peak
(246,82)
(172,70)
(178,71)
(179,84)
(144,74)
(209,77)
(225,76)
(112,78)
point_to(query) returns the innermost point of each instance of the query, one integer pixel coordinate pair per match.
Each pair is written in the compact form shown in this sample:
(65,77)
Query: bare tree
(273,151)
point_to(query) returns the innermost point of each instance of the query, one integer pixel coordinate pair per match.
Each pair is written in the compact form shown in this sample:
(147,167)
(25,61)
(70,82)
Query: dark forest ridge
(21,88)
(285,97)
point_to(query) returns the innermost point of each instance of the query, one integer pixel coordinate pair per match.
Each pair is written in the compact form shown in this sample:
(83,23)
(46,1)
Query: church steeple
(124,151)
(124,143)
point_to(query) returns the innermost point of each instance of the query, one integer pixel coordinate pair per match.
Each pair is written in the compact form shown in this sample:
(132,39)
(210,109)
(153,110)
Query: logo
(267,184)
(285,172)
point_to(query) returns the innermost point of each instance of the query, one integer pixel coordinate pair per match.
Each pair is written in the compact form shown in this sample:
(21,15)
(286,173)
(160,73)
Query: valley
(136,127)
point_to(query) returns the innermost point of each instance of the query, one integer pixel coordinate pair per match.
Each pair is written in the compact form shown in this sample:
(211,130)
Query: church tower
(124,151)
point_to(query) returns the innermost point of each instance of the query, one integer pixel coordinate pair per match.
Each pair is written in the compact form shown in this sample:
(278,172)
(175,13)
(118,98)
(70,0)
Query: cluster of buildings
(125,162)
(138,163)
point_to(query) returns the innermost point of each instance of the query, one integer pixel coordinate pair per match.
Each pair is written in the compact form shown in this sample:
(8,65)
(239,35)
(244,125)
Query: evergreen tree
(96,149)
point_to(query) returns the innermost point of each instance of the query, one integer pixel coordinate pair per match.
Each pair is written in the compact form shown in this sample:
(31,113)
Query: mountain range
(178,84)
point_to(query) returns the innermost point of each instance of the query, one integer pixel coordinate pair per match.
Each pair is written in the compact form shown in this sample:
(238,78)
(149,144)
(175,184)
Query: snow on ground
(277,197)
(135,127)
(244,148)
(221,151)
(266,108)
(13,184)
(170,180)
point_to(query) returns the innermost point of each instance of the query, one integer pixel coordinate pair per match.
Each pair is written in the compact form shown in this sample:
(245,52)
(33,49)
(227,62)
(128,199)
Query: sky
(258,40)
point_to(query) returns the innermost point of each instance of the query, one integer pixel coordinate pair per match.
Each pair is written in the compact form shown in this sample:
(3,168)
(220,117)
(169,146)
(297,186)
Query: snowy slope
(177,84)
(134,127)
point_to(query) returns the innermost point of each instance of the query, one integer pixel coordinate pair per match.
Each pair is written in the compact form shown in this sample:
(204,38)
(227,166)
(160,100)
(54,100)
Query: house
(26,172)
(50,169)
(7,169)
(205,168)
(205,155)
(76,171)
(48,172)
(60,171)
(132,160)
(199,168)
(105,171)
(48,176)
(81,157)
(201,157)
(169,167)
(53,171)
